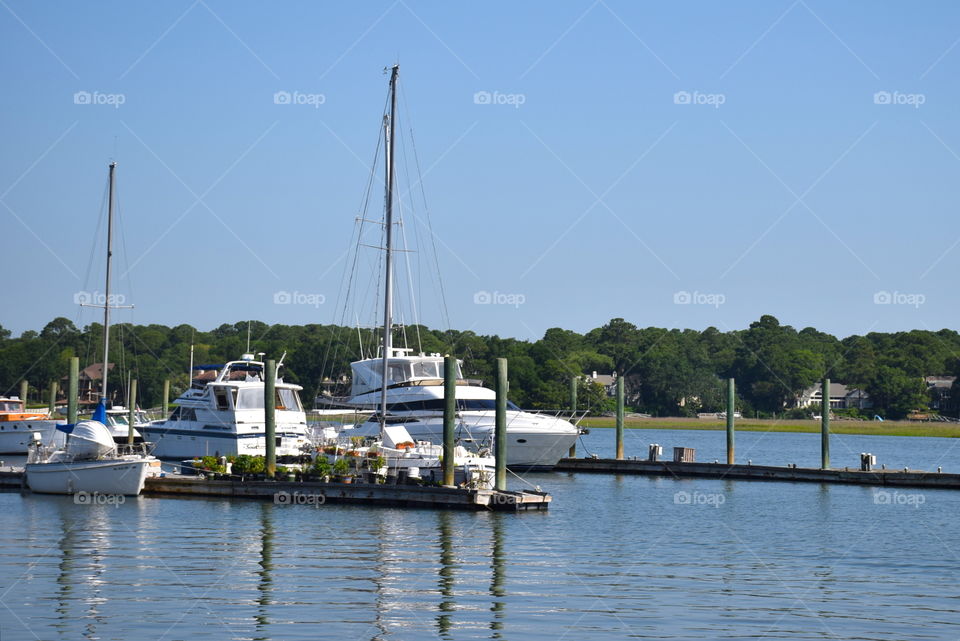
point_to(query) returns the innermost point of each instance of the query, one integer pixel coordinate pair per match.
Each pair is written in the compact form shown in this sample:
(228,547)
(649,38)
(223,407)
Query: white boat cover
(90,440)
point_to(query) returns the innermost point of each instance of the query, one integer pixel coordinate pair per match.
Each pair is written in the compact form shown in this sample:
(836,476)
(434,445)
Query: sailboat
(91,461)
(404,388)
(393,442)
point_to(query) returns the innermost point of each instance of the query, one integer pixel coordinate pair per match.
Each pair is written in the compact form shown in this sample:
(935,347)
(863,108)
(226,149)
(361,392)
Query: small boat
(90,462)
(224,416)
(118,418)
(17,426)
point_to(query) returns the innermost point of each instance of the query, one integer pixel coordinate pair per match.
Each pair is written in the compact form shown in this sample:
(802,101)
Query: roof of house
(939,381)
(837,390)
(93,372)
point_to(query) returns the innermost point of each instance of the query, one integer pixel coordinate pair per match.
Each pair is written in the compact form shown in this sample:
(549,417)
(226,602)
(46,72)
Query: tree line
(668,372)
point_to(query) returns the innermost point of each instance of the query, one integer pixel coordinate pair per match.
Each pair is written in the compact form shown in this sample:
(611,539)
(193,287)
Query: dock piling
(449,417)
(619,418)
(166,397)
(53,397)
(731,401)
(270,416)
(500,437)
(24,390)
(825,425)
(131,410)
(73,387)
(573,412)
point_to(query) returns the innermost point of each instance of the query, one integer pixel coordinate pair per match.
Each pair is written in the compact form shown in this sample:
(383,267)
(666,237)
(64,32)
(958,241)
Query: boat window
(250,399)
(221,395)
(175,414)
(116,419)
(436,404)
(441,366)
(287,399)
(10,406)
(425,369)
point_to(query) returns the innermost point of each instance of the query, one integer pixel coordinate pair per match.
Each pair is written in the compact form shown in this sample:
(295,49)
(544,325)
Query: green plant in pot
(321,468)
(341,468)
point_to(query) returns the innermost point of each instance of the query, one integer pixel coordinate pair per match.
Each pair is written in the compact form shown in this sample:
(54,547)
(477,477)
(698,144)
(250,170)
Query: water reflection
(497,575)
(83,543)
(265,573)
(447,566)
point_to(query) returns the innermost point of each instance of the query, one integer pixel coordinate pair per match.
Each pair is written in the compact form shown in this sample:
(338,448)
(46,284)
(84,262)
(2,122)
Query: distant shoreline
(868,428)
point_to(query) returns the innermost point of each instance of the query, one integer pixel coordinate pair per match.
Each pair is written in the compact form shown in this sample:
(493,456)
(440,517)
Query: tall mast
(389,124)
(106,300)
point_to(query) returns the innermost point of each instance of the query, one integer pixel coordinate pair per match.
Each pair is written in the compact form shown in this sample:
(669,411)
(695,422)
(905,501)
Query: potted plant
(321,469)
(341,470)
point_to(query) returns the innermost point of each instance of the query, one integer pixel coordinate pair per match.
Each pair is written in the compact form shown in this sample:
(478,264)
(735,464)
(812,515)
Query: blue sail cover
(99,415)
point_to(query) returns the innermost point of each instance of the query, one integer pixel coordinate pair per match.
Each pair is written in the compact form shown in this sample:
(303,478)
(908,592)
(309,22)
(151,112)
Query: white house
(841,397)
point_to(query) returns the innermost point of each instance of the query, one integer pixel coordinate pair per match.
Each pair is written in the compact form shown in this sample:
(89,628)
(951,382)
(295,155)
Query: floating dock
(887,478)
(316,494)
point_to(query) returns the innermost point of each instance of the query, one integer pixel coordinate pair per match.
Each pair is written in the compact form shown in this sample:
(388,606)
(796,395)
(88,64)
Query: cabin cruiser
(415,399)
(224,416)
(17,426)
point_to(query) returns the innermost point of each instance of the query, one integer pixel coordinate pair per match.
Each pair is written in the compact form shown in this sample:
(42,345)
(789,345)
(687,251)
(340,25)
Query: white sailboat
(407,388)
(91,461)
(399,449)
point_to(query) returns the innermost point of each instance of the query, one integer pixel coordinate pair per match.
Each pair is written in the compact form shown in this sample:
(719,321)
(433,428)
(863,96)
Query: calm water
(615,557)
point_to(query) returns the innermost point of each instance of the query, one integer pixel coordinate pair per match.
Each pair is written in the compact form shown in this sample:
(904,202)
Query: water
(615,557)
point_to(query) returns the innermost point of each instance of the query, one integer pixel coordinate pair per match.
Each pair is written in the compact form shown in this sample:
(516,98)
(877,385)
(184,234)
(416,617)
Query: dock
(886,478)
(317,494)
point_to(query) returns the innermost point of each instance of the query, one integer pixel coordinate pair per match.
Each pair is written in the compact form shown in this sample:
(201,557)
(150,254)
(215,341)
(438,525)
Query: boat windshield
(10,406)
(250,399)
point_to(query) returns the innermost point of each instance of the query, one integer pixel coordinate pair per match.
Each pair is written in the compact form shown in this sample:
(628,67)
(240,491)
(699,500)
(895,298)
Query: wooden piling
(500,435)
(731,401)
(619,417)
(270,416)
(131,410)
(573,411)
(73,390)
(449,417)
(166,397)
(825,425)
(54,386)
(24,390)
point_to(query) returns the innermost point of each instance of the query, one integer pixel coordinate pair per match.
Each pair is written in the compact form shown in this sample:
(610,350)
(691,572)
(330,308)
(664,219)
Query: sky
(676,164)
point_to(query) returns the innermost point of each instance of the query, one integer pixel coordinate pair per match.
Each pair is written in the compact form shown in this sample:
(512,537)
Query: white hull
(529,446)
(110,476)
(179,443)
(15,435)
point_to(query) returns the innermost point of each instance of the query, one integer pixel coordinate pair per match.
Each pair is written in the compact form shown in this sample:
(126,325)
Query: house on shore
(841,397)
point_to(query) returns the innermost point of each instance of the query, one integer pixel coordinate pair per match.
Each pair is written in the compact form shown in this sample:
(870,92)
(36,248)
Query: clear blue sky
(803,194)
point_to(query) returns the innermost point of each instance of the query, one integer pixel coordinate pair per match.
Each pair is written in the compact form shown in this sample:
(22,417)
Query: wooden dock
(317,494)
(887,478)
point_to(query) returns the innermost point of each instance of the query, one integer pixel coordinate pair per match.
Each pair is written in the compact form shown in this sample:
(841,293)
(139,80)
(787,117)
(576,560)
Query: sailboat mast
(106,300)
(389,129)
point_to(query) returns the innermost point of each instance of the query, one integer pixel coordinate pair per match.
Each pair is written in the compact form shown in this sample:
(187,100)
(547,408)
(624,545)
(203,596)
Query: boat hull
(15,435)
(111,476)
(179,443)
(528,447)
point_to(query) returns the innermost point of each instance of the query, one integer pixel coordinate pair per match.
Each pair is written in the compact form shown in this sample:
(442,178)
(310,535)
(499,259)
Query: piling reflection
(265,573)
(447,566)
(83,545)
(497,575)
